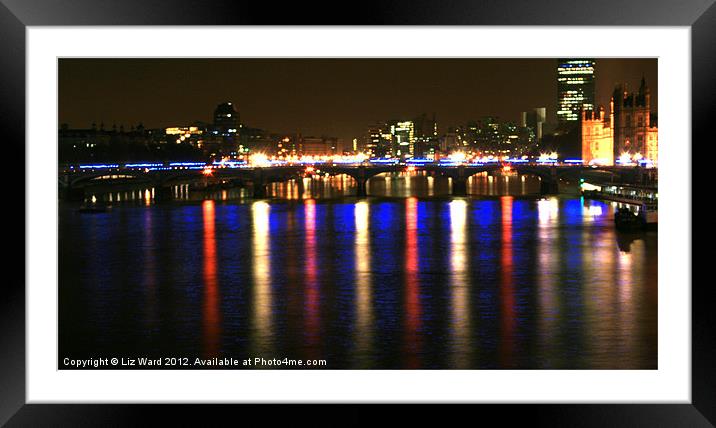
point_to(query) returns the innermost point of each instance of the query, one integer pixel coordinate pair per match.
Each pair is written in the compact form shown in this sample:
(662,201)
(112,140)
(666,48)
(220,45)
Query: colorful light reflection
(507,297)
(363,293)
(211,312)
(412,338)
(459,286)
(262,295)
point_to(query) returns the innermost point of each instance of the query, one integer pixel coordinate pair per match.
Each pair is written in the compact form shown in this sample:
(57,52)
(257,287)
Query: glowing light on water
(593,210)
(507,291)
(459,286)
(412,285)
(363,293)
(548,266)
(312,292)
(211,313)
(547,210)
(261,262)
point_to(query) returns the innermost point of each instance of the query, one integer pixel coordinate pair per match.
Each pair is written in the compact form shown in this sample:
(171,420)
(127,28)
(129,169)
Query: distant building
(535,119)
(223,134)
(630,131)
(258,140)
(319,146)
(403,138)
(449,141)
(598,137)
(635,130)
(226,120)
(403,133)
(492,137)
(378,140)
(118,144)
(426,137)
(575,89)
(190,134)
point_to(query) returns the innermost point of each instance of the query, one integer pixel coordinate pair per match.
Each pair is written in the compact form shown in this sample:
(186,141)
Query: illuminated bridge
(162,176)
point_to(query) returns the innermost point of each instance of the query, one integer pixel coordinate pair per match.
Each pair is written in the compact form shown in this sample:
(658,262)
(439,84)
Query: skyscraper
(403,137)
(575,88)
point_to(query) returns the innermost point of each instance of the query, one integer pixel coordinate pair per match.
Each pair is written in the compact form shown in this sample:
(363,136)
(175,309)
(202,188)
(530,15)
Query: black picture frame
(16,15)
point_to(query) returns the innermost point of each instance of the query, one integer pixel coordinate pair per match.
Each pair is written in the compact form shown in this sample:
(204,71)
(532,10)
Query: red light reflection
(211,315)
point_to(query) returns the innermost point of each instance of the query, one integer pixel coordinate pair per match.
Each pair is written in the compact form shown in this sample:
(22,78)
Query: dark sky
(333,97)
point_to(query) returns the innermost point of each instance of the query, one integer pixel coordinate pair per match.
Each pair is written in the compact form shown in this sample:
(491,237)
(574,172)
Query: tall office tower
(575,89)
(376,143)
(403,138)
(426,135)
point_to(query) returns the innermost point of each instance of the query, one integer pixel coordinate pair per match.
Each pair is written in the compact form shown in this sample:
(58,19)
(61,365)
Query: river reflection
(362,336)
(425,281)
(412,338)
(261,290)
(211,316)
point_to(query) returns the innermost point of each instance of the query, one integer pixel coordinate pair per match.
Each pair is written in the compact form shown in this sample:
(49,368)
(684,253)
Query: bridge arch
(548,175)
(97,177)
(360,174)
(460,174)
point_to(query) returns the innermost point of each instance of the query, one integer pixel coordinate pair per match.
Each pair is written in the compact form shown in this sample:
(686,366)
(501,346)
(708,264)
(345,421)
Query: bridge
(73,180)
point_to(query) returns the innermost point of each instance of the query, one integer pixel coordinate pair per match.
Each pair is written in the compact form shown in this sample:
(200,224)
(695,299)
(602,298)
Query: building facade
(378,141)
(117,144)
(635,128)
(319,146)
(598,137)
(575,89)
(226,120)
(403,136)
(535,119)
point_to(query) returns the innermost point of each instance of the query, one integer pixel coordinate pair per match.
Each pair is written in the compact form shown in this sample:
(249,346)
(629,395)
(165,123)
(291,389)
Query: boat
(645,218)
(626,219)
(638,205)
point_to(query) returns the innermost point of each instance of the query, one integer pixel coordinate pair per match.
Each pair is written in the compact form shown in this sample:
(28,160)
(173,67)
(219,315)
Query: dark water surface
(501,279)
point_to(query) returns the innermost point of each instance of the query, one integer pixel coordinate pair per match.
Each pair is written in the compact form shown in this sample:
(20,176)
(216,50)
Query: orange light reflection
(211,315)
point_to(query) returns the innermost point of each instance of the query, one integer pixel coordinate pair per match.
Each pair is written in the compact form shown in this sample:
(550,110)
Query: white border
(670,383)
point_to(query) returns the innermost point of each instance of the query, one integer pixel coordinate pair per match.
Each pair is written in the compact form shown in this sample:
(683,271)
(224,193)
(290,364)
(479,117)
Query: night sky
(331,97)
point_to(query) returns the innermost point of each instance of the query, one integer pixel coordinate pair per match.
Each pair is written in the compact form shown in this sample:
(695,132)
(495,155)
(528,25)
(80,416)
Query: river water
(409,277)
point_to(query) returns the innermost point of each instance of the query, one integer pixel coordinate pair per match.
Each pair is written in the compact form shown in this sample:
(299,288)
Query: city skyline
(336,97)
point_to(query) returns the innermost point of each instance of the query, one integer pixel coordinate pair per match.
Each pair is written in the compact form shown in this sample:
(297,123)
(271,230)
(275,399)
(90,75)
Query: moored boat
(638,205)
(626,219)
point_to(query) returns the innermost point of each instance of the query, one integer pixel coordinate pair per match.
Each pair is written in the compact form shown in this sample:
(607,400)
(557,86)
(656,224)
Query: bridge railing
(443,162)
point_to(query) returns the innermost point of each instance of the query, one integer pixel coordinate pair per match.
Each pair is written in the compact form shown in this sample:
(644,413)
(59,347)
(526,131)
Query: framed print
(457,206)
